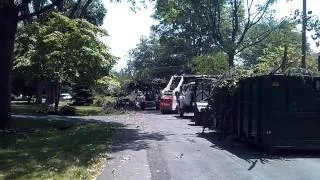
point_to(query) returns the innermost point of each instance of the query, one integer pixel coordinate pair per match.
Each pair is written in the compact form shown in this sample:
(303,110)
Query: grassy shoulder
(55,149)
(33,109)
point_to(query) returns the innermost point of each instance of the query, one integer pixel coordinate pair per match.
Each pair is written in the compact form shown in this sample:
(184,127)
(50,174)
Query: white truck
(169,101)
(193,96)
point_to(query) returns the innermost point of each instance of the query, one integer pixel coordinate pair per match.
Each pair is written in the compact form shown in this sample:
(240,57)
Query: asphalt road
(160,147)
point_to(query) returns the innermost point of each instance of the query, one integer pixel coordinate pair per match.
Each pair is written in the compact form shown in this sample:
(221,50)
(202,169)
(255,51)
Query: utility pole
(304,39)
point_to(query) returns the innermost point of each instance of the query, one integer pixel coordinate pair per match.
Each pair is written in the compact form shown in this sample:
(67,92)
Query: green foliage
(33,109)
(108,85)
(209,26)
(279,53)
(92,11)
(89,111)
(272,60)
(230,78)
(67,110)
(59,44)
(158,58)
(210,64)
(42,109)
(104,101)
(284,35)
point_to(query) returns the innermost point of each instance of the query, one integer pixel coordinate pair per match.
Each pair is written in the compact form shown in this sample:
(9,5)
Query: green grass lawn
(18,108)
(31,109)
(47,152)
(89,110)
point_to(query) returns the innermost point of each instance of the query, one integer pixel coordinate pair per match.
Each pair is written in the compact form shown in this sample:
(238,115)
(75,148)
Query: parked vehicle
(65,97)
(150,105)
(170,95)
(125,103)
(193,96)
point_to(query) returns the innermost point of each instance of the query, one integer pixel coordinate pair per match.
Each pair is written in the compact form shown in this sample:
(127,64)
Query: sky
(126,27)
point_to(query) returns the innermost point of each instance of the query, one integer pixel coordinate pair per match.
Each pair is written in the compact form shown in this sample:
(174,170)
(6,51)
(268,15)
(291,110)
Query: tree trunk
(39,93)
(49,93)
(57,90)
(284,62)
(8,28)
(231,60)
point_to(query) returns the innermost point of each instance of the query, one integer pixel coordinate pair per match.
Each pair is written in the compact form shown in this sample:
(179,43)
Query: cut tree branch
(36,13)
(24,3)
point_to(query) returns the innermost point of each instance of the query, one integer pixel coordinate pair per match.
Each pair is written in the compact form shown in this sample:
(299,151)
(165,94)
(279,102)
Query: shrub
(67,111)
(46,109)
(105,101)
(61,124)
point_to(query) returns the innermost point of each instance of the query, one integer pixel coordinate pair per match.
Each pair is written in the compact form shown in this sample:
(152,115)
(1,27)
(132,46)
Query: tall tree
(65,47)
(11,12)
(159,58)
(225,23)
(212,64)
(284,35)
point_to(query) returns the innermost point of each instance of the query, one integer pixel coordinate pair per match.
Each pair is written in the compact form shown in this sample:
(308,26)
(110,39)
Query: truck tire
(197,119)
(195,115)
(181,113)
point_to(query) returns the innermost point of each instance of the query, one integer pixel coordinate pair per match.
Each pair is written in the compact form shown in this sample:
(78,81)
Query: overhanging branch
(259,38)
(24,3)
(44,9)
(254,20)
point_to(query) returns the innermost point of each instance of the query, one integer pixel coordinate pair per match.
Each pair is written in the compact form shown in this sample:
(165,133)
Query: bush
(67,111)
(46,109)
(104,101)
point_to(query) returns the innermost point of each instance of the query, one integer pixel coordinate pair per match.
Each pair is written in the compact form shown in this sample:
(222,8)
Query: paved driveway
(156,146)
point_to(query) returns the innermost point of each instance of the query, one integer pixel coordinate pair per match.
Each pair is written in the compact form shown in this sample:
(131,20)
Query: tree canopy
(204,36)
(221,25)
(61,45)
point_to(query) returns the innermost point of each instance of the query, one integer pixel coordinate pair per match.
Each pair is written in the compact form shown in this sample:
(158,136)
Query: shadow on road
(184,117)
(125,137)
(133,139)
(253,154)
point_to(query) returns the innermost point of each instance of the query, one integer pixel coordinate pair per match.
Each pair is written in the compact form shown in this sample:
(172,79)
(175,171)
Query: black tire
(203,120)
(197,120)
(195,115)
(181,113)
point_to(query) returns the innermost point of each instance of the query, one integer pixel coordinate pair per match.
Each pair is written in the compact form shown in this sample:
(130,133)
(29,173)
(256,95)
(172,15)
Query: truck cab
(178,86)
(193,96)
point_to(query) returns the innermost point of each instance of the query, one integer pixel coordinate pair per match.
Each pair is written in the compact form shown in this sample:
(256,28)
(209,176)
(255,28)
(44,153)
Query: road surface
(162,147)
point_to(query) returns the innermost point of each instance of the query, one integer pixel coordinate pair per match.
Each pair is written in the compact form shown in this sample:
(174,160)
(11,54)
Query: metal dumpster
(276,111)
